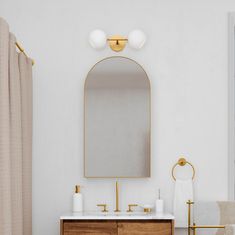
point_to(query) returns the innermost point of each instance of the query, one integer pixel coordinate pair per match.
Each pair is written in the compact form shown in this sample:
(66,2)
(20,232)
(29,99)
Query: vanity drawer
(89,228)
(145,228)
(117,227)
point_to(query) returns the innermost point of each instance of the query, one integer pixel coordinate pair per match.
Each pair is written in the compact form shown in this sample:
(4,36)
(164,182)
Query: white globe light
(97,39)
(136,39)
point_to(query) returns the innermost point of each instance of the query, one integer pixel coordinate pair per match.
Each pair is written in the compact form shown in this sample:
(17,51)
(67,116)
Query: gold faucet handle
(104,207)
(130,207)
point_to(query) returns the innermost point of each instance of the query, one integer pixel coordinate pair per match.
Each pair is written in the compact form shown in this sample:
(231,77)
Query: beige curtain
(15,137)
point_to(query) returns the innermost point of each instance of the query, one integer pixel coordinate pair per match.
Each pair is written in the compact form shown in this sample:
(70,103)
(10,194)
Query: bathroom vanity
(117,224)
(117,127)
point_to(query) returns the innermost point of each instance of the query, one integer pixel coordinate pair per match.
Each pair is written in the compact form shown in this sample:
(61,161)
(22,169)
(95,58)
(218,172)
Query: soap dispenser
(77,200)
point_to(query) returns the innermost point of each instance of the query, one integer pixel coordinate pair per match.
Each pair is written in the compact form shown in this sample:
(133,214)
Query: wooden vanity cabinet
(117,227)
(145,227)
(74,227)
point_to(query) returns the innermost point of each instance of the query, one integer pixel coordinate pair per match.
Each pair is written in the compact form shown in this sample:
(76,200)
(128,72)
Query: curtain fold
(15,137)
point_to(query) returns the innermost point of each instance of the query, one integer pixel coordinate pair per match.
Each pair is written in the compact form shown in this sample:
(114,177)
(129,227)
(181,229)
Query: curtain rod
(22,50)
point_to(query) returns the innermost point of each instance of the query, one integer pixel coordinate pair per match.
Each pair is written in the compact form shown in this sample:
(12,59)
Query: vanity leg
(172,227)
(61,227)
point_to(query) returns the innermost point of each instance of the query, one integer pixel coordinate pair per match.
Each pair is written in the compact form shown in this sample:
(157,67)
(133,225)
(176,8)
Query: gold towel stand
(22,50)
(194,227)
(182,162)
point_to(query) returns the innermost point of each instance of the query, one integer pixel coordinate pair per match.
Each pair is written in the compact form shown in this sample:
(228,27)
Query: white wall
(186,60)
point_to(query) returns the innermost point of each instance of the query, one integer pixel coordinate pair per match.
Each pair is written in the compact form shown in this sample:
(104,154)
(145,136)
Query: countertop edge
(152,216)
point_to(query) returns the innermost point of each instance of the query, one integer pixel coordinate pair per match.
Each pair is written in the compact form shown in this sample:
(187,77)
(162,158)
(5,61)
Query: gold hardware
(147,210)
(189,202)
(77,189)
(22,50)
(117,43)
(207,226)
(182,162)
(194,229)
(104,207)
(194,226)
(117,198)
(130,207)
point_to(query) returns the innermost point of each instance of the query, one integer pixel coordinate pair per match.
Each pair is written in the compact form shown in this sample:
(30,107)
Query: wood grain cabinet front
(117,227)
(144,228)
(89,228)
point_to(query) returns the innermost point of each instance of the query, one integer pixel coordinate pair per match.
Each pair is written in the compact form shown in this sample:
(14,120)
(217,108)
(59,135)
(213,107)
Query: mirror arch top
(117,119)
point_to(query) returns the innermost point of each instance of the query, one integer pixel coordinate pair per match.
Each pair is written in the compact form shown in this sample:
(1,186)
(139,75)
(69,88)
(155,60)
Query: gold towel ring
(182,162)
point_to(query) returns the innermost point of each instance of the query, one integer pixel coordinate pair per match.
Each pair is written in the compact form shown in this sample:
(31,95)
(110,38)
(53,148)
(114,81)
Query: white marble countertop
(116,216)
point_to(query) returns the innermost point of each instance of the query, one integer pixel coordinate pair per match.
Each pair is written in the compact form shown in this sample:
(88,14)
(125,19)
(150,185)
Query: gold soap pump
(77,199)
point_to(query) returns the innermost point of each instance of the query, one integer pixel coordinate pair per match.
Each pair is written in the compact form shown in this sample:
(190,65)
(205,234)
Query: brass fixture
(98,40)
(194,226)
(130,207)
(22,50)
(104,207)
(117,43)
(147,210)
(182,162)
(117,198)
(189,202)
(77,189)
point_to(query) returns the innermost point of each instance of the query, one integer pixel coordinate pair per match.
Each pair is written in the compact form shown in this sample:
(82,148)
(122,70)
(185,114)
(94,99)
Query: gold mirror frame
(84,122)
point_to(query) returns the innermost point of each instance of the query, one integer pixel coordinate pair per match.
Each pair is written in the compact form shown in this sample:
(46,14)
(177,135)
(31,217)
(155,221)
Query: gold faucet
(117,198)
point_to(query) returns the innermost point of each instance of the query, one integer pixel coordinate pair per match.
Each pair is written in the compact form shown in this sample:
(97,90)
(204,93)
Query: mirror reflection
(117,120)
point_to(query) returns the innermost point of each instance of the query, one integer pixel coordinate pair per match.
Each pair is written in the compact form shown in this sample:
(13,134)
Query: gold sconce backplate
(117,43)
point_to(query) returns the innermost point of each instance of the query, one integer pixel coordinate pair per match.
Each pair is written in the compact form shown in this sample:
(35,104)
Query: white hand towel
(230,229)
(183,193)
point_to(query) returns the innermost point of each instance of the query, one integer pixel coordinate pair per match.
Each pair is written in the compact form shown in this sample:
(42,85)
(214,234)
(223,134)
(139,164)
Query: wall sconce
(98,40)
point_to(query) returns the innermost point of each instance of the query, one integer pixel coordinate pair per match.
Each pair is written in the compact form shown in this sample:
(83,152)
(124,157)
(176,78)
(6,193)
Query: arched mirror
(117,120)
